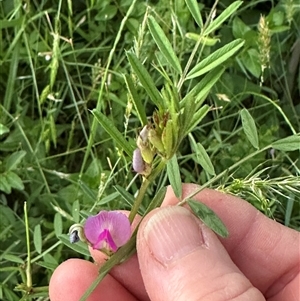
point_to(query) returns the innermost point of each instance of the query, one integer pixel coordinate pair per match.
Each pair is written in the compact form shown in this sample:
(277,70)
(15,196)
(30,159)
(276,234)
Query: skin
(179,258)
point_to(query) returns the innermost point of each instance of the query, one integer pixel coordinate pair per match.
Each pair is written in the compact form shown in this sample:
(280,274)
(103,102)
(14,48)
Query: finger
(73,277)
(265,251)
(128,273)
(181,259)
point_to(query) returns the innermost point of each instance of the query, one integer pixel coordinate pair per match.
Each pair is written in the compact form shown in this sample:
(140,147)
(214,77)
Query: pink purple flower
(108,230)
(138,163)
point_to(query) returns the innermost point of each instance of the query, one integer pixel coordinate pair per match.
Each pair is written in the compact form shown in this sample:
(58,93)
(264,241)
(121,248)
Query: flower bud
(138,163)
(155,140)
(144,133)
(147,154)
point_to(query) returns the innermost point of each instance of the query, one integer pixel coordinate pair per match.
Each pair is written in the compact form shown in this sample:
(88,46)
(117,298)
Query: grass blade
(113,132)
(216,58)
(128,198)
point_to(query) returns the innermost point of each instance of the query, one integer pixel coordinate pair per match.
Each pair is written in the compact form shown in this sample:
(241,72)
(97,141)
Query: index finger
(265,251)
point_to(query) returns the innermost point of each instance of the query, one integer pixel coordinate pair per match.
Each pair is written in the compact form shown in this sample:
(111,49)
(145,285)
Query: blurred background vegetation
(61,59)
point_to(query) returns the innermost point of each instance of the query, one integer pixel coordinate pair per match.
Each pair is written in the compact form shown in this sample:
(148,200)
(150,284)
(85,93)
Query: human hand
(179,258)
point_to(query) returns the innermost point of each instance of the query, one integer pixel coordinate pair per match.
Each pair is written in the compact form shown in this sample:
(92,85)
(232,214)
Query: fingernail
(172,233)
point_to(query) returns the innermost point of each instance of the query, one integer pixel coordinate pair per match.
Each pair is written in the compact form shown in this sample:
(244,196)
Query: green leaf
(197,117)
(14,159)
(250,60)
(279,29)
(222,18)
(163,44)
(202,157)
(11,23)
(12,258)
(47,265)
(58,227)
(239,28)
(249,128)
(79,247)
(208,217)
(201,90)
(3,129)
(75,212)
(106,13)
(129,198)
(140,108)
(193,7)
(145,79)
(290,143)
(216,58)
(14,180)
(168,138)
(4,185)
(37,238)
(49,258)
(113,132)
(289,210)
(174,176)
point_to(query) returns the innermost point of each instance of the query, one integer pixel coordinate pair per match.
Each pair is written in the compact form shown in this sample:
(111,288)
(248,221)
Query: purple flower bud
(138,163)
(144,133)
(107,230)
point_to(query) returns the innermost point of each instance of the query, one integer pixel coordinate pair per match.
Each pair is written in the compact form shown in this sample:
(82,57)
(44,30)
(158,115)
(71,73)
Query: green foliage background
(62,59)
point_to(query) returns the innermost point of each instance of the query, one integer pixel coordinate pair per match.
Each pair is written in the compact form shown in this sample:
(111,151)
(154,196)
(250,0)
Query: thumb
(181,259)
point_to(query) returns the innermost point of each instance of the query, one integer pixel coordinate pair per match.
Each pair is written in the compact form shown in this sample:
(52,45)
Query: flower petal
(121,230)
(107,229)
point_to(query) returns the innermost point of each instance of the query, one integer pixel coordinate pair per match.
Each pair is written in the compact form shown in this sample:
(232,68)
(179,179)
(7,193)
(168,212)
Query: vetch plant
(157,143)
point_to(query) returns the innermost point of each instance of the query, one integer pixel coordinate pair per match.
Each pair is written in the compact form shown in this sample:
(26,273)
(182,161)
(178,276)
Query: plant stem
(28,266)
(143,189)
